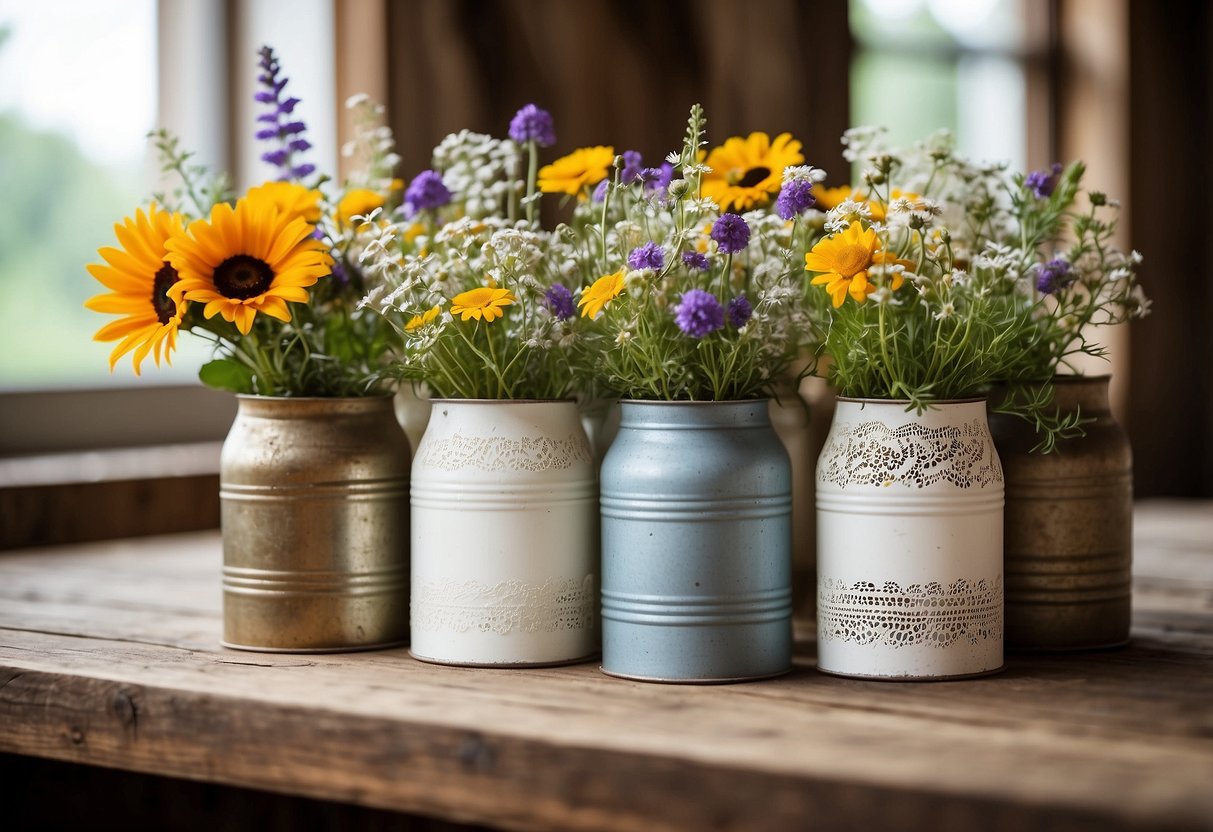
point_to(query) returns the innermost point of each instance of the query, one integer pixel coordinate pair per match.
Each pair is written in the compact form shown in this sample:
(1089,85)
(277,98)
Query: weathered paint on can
(314,497)
(696,540)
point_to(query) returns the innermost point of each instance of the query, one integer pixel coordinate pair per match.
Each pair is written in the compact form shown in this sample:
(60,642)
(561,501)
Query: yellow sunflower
(844,260)
(577,172)
(246,260)
(418,321)
(747,173)
(599,293)
(291,198)
(139,279)
(358,202)
(487,301)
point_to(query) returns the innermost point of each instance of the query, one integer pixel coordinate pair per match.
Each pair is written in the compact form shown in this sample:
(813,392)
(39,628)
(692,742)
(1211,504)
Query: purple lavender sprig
(280,128)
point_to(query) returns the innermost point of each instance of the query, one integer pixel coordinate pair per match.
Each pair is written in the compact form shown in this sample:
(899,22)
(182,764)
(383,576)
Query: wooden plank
(109,656)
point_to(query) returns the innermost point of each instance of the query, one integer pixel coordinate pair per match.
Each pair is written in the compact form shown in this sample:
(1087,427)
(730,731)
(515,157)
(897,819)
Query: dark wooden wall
(1171,399)
(620,72)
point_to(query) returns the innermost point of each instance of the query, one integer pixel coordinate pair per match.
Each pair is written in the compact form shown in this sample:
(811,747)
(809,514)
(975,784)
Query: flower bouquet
(314,472)
(939,281)
(269,278)
(692,307)
(479,298)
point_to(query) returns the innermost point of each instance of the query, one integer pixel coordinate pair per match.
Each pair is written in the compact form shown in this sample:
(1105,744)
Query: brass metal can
(1068,527)
(314,496)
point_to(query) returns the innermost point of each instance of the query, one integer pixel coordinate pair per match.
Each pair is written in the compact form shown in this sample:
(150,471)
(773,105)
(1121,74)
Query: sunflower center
(752,177)
(161,302)
(850,260)
(241,277)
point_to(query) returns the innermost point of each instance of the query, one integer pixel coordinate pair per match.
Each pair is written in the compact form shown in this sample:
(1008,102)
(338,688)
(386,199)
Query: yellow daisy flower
(485,301)
(577,172)
(828,198)
(139,278)
(747,173)
(845,259)
(291,198)
(418,321)
(358,203)
(597,295)
(247,260)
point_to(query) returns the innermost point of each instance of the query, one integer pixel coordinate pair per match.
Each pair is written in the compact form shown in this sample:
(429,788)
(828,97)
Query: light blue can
(696,544)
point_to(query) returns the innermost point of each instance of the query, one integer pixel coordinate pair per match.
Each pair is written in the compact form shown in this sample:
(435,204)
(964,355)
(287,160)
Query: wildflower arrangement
(469,281)
(691,288)
(270,278)
(941,277)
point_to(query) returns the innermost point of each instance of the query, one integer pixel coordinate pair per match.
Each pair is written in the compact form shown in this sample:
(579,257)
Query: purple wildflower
(656,179)
(633,167)
(647,256)
(426,192)
(698,313)
(795,198)
(286,134)
(600,190)
(1042,183)
(1054,276)
(695,260)
(739,311)
(731,233)
(560,300)
(531,124)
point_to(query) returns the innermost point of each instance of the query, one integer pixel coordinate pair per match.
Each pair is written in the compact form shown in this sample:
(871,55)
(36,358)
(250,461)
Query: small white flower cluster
(482,172)
(373,148)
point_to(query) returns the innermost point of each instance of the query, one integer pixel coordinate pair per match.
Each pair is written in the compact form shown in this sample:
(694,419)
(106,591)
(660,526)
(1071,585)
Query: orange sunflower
(139,278)
(248,259)
(747,173)
(844,260)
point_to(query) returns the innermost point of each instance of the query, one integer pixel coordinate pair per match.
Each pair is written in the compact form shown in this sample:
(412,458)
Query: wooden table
(109,656)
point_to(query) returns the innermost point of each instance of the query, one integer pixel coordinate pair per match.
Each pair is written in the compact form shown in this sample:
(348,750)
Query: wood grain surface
(109,656)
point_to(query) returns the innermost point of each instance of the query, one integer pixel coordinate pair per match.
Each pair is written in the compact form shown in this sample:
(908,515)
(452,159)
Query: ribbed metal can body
(1069,532)
(314,501)
(505,555)
(696,540)
(909,546)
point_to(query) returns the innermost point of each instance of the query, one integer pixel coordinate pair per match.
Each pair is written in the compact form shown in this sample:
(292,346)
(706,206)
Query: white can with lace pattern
(909,542)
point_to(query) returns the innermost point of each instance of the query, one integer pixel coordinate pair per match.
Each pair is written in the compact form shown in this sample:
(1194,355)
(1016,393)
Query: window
(961,64)
(76,160)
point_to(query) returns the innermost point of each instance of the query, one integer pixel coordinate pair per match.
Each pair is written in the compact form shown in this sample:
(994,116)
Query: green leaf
(227,374)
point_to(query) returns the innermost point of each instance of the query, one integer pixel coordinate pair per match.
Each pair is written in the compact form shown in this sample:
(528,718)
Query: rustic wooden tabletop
(109,656)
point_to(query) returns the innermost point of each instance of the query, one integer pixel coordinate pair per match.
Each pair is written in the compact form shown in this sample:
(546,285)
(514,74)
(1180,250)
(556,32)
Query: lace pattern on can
(505,607)
(920,614)
(872,453)
(499,453)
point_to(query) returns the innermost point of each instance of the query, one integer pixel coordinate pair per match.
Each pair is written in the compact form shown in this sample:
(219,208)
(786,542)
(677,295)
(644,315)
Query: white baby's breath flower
(803,173)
